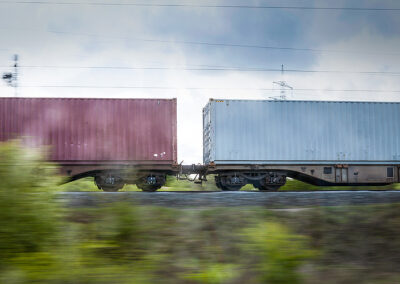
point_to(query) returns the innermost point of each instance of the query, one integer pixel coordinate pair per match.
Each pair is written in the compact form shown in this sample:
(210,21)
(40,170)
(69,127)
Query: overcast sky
(83,35)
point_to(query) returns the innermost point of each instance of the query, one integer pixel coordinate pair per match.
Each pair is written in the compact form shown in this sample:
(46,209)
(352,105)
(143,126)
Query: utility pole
(284,86)
(11,78)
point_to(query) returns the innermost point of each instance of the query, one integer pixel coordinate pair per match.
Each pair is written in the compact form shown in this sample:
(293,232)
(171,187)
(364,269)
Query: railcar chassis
(272,177)
(233,177)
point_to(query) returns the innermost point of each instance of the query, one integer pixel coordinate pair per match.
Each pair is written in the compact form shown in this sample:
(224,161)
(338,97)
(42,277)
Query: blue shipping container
(301,132)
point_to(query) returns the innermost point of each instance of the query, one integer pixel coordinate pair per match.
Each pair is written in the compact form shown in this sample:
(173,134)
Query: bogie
(229,182)
(151,182)
(109,182)
(264,181)
(113,181)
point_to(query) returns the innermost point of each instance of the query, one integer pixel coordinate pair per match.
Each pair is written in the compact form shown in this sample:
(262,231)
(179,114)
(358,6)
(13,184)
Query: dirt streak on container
(94,130)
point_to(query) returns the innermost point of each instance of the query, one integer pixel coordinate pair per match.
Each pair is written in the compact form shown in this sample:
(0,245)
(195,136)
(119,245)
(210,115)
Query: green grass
(295,185)
(43,242)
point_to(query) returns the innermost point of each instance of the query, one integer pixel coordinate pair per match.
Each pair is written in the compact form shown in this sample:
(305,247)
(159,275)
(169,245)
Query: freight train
(258,142)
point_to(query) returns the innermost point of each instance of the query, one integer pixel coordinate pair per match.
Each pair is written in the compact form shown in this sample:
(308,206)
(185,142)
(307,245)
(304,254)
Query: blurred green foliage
(28,221)
(84,184)
(295,185)
(356,244)
(41,241)
(279,252)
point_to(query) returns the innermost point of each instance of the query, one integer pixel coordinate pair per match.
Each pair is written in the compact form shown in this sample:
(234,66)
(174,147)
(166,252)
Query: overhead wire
(255,46)
(210,68)
(204,88)
(221,44)
(180,5)
(241,69)
(215,44)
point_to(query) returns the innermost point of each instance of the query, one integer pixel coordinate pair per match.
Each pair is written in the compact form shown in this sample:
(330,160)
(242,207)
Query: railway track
(229,199)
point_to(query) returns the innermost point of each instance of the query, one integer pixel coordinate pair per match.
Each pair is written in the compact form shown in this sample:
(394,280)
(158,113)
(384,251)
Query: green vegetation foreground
(43,242)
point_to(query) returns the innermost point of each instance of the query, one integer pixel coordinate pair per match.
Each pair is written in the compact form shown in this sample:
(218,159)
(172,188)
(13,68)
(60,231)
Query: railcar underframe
(150,177)
(272,177)
(113,176)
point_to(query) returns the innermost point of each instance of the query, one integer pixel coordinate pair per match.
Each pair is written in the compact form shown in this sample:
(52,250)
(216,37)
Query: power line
(254,46)
(192,42)
(211,68)
(59,3)
(215,44)
(219,44)
(203,88)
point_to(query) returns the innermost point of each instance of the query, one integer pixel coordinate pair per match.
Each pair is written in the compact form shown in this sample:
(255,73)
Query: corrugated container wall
(285,132)
(94,130)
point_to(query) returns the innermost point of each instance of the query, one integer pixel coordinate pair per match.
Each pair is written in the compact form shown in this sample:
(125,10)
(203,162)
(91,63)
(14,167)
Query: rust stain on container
(94,130)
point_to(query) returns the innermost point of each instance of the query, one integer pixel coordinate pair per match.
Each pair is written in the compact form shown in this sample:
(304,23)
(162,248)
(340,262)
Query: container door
(341,175)
(344,174)
(338,175)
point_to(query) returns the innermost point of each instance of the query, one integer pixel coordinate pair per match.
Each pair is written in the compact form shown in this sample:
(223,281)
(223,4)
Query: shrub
(28,222)
(278,253)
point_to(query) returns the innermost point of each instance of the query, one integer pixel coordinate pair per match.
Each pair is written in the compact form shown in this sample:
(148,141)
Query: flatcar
(262,142)
(116,141)
(258,142)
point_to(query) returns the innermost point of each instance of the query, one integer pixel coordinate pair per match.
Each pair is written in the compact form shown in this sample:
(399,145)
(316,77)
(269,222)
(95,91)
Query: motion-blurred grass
(43,242)
(295,185)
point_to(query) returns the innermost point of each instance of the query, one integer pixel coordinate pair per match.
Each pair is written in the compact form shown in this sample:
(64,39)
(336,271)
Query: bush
(278,253)
(42,243)
(28,221)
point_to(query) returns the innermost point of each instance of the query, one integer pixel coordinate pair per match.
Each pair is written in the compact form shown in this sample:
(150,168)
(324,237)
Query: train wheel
(269,188)
(109,183)
(151,183)
(229,182)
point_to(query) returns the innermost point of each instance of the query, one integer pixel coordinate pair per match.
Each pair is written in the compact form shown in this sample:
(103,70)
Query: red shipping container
(95,131)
